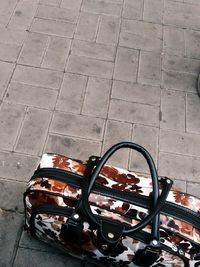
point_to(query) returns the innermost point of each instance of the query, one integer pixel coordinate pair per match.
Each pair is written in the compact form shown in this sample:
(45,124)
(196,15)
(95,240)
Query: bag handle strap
(158,201)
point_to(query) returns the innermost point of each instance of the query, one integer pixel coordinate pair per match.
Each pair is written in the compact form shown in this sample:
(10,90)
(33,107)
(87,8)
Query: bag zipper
(48,209)
(126,216)
(169,209)
(61,175)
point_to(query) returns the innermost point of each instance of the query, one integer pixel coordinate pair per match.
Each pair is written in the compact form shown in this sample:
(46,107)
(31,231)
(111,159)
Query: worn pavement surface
(77,76)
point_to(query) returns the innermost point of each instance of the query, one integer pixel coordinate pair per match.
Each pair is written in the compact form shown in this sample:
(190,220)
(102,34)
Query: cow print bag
(111,216)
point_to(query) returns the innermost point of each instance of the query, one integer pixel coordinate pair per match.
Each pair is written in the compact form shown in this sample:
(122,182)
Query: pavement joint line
(76,137)
(11,180)
(8,83)
(45,51)
(56,20)
(12,13)
(33,85)
(29,106)
(13,212)
(52,115)
(18,153)
(59,90)
(112,78)
(71,44)
(16,246)
(38,67)
(20,128)
(131,139)
(84,96)
(15,180)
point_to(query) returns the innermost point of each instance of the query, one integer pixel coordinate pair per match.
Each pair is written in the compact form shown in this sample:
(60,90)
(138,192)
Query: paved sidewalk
(77,76)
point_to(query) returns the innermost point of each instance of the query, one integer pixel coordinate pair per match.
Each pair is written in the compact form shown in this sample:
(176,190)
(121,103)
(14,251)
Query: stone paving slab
(77,76)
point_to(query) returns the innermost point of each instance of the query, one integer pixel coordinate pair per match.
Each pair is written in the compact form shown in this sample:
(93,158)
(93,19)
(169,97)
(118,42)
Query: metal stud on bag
(104,246)
(111,235)
(76,216)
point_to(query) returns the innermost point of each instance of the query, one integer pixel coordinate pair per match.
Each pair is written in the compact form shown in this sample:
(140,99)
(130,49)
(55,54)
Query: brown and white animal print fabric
(44,190)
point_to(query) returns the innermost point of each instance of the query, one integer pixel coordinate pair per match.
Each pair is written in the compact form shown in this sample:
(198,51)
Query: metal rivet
(154,242)
(168,181)
(181,252)
(174,248)
(111,235)
(76,216)
(162,240)
(104,247)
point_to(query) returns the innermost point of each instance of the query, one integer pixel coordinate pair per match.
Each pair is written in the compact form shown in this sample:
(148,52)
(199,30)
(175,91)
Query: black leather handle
(157,201)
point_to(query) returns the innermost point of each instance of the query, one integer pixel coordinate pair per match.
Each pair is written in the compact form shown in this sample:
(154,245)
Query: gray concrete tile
(93,50)
(56,13)
(134,92)
(12,36)
(181,64)
(11,198)
(17,167)
(27,241)
(97,98)
(71,4)
(72,93)
(126,64)
(115,132)
(52,27)
(133,9)
(134,112)
(141,35)
(10,227)
(11,117)
(173,106)
(89,66)
(192,115)
(193,189)
(102,7)
(109,30)
(31,95)
(149,68)
(9,52)
(179,167)
(50,2)
(25,256)
(180,185)
(180,143)
(56,53)
(87,27)
(153,11)
(174,43)
(179,81)
(148,138)
(35,127)
(33,49)
(182,14)
(38,77)
(191,2)
(77,125)
(192,44)
(23,15)
(73,147)
(6,11)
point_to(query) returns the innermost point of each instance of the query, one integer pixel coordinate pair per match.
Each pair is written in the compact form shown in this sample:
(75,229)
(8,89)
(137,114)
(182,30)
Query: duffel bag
(111,216)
